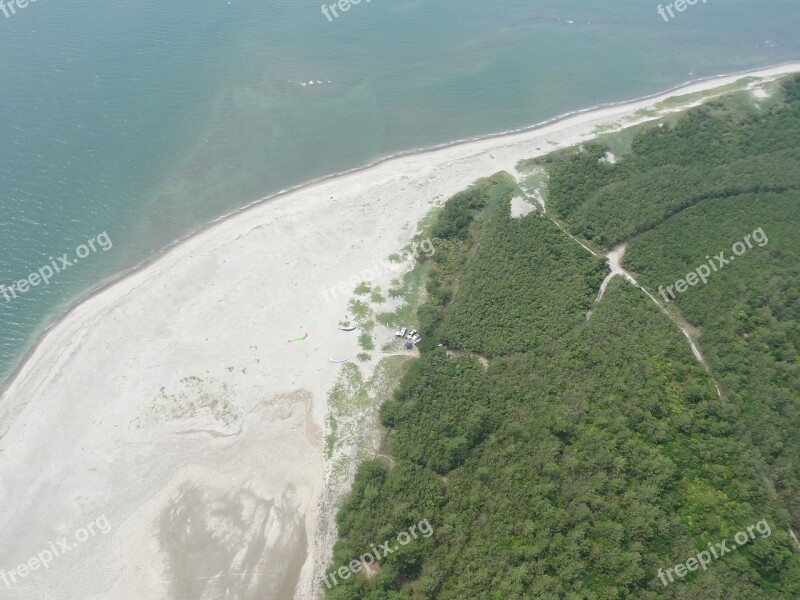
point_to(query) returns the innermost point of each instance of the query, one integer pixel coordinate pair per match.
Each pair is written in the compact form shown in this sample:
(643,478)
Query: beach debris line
(297,339)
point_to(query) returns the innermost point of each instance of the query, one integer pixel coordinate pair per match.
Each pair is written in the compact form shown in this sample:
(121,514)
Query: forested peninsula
(557,455)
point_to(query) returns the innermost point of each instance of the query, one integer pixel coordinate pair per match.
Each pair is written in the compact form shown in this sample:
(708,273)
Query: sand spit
(172,404)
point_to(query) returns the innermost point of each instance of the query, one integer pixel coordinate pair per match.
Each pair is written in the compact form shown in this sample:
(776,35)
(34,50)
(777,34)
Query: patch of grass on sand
(387,375)
(360,309)
(677,101)
(393,345)
(362,289)
(366,342)
(535,182)
(337,396)
(330,437)
(428,221)
(409,288)
(404,286)
(345,388)
(776,93)
(605,128)
(352,409)
(362,398)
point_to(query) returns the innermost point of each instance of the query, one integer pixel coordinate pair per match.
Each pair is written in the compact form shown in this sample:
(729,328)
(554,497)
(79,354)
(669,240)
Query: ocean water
(146,120)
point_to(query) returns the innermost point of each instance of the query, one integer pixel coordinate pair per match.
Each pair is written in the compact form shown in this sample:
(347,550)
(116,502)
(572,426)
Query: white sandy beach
(173,404)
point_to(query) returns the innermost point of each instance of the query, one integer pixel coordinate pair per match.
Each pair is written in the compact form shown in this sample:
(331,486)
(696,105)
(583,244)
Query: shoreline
(169,395)
(98,289)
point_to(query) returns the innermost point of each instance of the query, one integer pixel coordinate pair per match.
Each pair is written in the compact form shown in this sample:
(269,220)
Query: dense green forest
(748,316)
(716,151)
(560,457)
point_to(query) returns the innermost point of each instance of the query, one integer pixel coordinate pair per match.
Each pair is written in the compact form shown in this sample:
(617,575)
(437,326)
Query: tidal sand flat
(173,406)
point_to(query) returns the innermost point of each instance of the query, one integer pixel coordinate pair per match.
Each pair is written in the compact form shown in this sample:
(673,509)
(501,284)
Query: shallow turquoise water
(148,119)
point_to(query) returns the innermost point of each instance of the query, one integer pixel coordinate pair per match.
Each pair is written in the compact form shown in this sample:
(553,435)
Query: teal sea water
(148,119)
